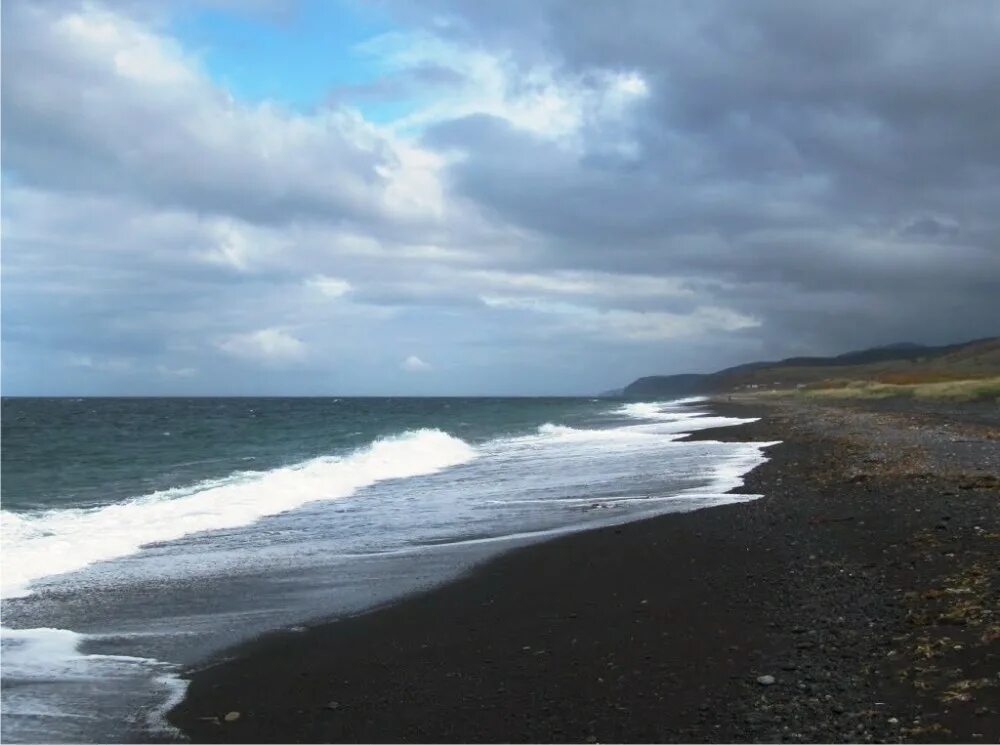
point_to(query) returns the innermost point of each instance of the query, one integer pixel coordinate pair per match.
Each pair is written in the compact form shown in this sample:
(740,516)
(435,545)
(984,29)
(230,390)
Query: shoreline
(658,629)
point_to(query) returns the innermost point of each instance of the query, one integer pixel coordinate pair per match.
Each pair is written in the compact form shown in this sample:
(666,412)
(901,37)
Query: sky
(463,198)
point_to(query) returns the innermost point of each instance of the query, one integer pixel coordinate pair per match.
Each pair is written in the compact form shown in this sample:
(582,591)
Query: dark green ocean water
(70,452)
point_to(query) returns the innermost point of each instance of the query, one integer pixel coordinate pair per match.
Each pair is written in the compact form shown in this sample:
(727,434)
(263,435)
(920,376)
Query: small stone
(333,705)
(766,680)
(232,716)
(892,720)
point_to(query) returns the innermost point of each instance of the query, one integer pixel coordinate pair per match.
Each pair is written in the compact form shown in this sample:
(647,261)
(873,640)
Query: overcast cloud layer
(567,196)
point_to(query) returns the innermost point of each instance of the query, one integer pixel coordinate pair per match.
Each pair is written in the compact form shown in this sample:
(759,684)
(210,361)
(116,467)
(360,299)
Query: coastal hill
(891,365)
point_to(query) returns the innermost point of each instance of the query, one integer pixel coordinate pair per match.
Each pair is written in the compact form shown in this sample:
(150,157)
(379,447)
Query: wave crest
(43,544)
(556,429)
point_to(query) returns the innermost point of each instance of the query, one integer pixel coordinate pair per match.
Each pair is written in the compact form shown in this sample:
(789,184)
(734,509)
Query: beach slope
(856,602)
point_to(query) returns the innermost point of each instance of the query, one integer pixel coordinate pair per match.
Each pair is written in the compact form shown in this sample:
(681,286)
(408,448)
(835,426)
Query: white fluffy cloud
(414,364)
(271,345)
(126,109)
(329,286)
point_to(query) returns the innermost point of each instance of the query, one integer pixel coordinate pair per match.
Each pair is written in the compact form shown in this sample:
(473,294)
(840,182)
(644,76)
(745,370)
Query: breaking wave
(43,544)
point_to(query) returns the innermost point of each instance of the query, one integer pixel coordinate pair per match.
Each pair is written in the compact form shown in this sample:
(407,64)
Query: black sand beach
(858,601)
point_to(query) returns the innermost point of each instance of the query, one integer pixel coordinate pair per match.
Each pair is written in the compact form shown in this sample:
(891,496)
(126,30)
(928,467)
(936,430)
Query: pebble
(766,680)
(232,716)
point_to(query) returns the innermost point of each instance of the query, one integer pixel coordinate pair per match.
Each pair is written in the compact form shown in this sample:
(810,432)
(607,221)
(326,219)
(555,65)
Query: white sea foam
(555,429)
(729,470)
(558,432)
(642,410)
(42,664)
(43,544)
(49,653)
(688,400)
(652,419)
(662,410)
(665,418)
(693,424)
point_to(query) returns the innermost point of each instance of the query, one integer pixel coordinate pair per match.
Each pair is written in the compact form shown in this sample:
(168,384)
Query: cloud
(176,372)
(617,324)
(113,365)
(775,148)
(579,283)
(330,286)
(270,345)
(649,187)
(414,364)
(93,100)
(536,99)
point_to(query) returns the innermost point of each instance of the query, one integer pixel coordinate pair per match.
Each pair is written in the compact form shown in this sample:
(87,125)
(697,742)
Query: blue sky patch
(295,58)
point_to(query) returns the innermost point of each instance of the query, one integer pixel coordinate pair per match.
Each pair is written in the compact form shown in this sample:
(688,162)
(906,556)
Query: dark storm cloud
(796,148)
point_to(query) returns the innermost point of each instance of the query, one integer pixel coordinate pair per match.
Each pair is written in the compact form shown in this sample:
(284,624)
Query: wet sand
(865,584)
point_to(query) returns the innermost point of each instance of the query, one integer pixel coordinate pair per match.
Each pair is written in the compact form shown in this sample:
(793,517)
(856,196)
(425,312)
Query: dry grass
(927,376)
(966,389)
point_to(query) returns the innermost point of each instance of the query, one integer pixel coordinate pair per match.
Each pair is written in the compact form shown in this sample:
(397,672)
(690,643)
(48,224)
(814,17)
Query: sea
(142,537)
